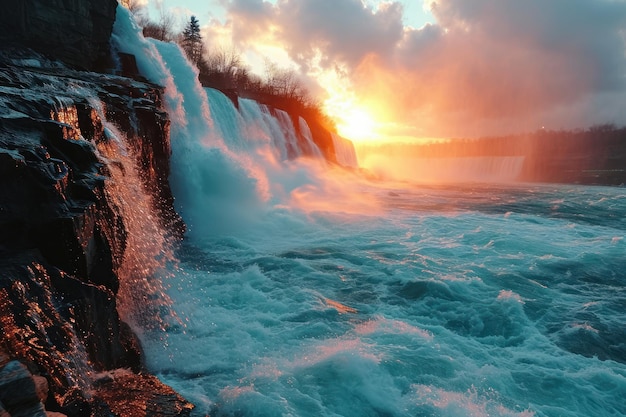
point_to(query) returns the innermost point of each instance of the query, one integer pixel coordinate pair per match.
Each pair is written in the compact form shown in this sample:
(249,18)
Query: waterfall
(275,127)
(470,169)
(445,170)
(288,134)
(228,163)
(307,137)
(344,151)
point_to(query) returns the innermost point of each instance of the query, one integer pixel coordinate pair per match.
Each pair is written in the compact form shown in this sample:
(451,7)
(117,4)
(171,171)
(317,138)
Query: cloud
(484,66)
(492,66)
(252,20)
(337,31)
(342,31)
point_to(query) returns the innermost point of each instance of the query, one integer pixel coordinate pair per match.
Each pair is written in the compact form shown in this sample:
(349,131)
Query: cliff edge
(76,32)
(68,139)
(64,234)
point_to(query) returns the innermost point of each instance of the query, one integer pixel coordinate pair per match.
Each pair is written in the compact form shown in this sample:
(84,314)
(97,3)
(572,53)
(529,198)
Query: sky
(397,70)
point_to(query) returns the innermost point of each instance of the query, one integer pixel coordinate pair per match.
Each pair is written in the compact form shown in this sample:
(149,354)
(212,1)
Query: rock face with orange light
(63,239)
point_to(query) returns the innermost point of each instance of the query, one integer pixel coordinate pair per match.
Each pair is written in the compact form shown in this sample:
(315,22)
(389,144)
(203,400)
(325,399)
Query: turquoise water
(477,301)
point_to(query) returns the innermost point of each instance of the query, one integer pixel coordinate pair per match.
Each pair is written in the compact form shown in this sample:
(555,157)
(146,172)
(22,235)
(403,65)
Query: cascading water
(485,300)
(450,170)
(278,129)
(344,151)
(65,113)
(310,147)
(227,163)
(143,301)
(288,133)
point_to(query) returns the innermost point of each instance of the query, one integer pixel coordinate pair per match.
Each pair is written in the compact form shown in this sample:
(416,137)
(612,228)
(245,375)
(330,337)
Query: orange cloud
(486,66)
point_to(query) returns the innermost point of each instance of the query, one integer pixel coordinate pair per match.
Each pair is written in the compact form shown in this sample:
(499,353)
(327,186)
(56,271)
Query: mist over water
(304,290)
(442,170)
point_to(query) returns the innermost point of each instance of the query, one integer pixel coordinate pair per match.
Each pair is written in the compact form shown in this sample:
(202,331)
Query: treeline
(224,69)
(582,141)
(596,155)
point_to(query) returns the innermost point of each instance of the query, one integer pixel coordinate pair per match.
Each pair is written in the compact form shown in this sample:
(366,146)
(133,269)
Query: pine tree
(192,41)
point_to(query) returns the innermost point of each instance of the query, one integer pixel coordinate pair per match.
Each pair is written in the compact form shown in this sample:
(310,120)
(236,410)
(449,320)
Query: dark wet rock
(76,32)
(63,239)
(127,394)
(19,393)
(64,326)
(128,64)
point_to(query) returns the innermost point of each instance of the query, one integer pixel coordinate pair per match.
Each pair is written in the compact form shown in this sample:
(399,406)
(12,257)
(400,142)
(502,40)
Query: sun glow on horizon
(358,125)
(353,121)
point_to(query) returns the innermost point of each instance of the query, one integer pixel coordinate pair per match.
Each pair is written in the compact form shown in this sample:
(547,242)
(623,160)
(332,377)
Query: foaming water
(307,291)
(463,309)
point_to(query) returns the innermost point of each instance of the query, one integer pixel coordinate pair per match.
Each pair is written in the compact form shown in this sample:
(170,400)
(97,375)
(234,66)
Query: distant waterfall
(344,151)
(470,169)
(490,169)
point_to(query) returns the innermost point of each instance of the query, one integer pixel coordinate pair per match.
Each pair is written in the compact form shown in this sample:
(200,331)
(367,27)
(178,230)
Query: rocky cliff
(74,31)
(64,238)
(65,234)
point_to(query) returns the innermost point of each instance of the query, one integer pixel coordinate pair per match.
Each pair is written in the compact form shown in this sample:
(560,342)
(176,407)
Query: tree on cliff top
(192,40)
(163,29)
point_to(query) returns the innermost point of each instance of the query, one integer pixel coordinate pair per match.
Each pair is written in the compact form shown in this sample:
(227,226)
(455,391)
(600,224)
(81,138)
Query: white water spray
(142,298)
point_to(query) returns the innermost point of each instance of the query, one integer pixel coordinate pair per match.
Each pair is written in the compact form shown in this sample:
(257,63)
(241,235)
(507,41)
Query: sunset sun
(358,125)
